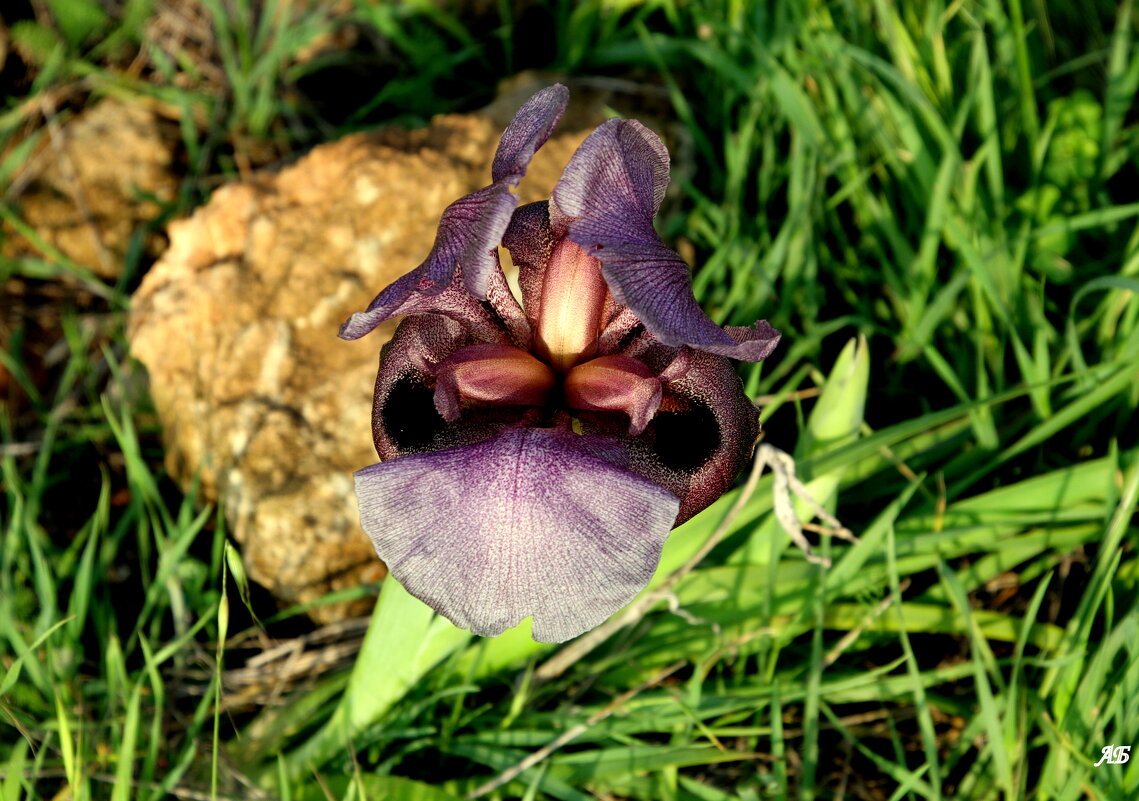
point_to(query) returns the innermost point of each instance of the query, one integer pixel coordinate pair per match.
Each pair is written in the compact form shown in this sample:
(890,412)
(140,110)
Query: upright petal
(472,227)
(531,241)
(574,299)
(620,169)
(491,533)
(607,198)
(468,237)
(528,131)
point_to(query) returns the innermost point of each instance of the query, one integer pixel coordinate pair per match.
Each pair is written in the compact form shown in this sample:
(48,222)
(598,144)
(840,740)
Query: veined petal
(620,169)
(754,343)
(527,523)
(528,131)
(704,433)
(468,237)
(472,227)
(607,198)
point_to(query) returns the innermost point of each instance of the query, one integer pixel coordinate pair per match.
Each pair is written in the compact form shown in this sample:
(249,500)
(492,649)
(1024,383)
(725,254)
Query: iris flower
(536,454)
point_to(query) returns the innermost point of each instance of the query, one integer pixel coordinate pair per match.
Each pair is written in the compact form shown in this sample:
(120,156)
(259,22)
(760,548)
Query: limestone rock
(93,182)
(237,325)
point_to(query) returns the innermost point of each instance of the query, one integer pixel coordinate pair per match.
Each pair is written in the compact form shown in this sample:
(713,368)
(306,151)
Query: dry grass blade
(282,668)
(788,484)
(269,676)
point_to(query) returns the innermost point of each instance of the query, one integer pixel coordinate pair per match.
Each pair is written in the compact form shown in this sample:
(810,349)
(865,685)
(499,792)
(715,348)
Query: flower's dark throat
(682,434)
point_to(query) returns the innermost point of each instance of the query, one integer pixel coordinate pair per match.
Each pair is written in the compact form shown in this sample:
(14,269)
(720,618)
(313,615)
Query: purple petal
(465,246)
(608,196)
(472,227)
(753,344)
(530,240)
(620,169)
(528,131)
(528,523)
(700,445)
(413,294)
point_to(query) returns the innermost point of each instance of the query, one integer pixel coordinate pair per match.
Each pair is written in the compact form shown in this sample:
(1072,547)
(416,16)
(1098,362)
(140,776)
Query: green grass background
(956,183)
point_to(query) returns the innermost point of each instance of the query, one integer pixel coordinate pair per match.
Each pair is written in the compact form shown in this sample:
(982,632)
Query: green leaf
(378,788)
(123,789)
(79,20)
(14,771)
(405,640)
(37,42)
(12,674)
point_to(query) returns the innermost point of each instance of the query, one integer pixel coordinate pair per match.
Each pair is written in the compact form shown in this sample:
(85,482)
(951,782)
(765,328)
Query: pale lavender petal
(607,198)
(528,523)
(471,228)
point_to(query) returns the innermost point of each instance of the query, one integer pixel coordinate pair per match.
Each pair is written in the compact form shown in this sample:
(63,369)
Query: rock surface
(237,326)
(93,181)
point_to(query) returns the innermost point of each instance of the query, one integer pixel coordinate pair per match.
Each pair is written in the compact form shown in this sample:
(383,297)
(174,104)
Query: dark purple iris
(535,456)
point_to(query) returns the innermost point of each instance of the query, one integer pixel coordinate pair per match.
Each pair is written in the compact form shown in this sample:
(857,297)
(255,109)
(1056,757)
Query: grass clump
(953,183)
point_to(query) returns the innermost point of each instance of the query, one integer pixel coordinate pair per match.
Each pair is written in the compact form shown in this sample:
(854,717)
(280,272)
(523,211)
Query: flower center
(502,375)
(573,297)
(564,372)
